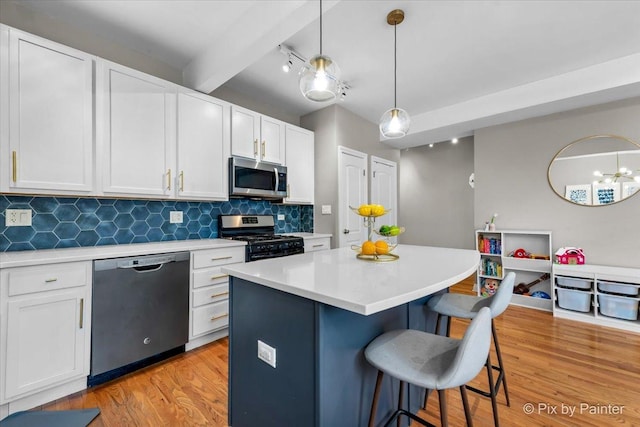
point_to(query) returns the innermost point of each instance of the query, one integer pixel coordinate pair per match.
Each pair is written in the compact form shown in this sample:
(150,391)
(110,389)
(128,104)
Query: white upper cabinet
(202,147)
(136,132)
(47,116)
(300,165)
(256,136)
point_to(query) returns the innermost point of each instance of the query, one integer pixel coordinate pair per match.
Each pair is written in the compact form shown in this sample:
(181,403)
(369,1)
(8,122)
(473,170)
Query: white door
(45,340)
(202,147)
(245,133)
(384,189)
(352,191)
(137,131)
(300,165)
(50,117)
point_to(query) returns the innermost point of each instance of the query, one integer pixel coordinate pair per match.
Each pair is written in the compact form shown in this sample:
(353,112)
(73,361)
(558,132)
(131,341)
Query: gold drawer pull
(221,258)
(169,179)
(219,276)
(220,294)
(55,279)
(81,313)
(219,317)
(319,245)
(14,169)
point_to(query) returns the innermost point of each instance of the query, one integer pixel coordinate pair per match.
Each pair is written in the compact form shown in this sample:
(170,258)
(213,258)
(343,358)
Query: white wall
(511,164)
(436,201)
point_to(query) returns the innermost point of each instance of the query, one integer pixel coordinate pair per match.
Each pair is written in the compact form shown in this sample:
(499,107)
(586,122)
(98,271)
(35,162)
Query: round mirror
(596,170)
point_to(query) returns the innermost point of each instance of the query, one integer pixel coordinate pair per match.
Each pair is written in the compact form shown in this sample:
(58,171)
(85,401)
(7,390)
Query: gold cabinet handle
(53,279)
(14,163)
(221,258)
(220,294)
(318,245)
(264,148)
(219,276)
(219,317)
(181,180)
(81,313)
(288,190)
(255,147)
(169,179)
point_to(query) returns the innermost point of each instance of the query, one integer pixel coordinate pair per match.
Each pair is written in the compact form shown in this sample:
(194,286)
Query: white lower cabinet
(313,244)
(45,331)
(209,316)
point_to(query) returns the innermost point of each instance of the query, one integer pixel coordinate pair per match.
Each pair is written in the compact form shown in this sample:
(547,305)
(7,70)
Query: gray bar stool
(468,307)
(430,361)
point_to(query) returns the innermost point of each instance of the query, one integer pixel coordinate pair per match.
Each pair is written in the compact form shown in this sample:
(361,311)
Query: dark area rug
(75,418)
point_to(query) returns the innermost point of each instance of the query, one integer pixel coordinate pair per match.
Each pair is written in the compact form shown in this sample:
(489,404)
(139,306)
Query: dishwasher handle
(141,264)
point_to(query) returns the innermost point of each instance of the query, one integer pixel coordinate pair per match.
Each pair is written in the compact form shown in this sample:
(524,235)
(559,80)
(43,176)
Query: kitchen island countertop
(337,278)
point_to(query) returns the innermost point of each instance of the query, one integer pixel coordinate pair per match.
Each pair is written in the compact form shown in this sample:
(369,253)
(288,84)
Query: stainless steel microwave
(250,178)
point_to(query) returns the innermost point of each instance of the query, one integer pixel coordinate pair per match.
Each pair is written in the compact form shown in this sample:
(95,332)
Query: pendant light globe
(395,123)
(319,80)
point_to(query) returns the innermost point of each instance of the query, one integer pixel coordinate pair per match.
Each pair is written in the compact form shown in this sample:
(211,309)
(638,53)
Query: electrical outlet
(267,354)
(175,217)
(326,209)
(280,217)
(17,217)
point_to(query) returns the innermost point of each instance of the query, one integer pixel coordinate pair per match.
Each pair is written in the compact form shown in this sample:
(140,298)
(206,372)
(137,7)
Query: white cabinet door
(136,132)
(45,342)
(352,192)
(300,165)
(272,142)
(202,147)
(245,133)
(49,146)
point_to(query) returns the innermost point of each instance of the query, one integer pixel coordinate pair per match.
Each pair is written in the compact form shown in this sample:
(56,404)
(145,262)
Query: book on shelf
(491,268)
(490,245)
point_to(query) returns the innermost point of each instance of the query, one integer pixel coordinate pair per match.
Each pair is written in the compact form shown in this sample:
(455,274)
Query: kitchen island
(318,311)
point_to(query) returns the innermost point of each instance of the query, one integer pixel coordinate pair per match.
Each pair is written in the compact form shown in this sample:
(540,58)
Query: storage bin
(618,288)
(620,307)
(574,300)
(574,282)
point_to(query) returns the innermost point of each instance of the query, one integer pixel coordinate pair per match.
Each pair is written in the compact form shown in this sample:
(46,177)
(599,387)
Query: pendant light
(319,80)
(395,122)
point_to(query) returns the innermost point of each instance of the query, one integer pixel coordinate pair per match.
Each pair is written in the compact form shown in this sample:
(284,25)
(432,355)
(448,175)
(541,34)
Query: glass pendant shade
(319,79)
(395,123)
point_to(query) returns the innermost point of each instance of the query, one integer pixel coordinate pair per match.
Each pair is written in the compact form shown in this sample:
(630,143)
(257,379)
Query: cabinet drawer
(210,317)
(215,257)
(210,294)
(25,280)
(208,277)
(312,245)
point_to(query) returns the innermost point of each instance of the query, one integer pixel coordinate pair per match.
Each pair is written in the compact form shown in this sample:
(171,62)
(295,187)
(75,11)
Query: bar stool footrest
(414,417)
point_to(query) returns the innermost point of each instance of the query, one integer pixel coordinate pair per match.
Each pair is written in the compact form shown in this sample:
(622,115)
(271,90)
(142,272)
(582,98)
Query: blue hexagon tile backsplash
(62,222)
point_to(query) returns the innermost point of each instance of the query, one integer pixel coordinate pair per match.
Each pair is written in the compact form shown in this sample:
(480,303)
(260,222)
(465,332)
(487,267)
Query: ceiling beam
(260,30)
(609,81)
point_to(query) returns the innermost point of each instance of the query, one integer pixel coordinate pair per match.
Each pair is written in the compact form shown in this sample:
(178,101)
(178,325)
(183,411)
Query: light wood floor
(553,365)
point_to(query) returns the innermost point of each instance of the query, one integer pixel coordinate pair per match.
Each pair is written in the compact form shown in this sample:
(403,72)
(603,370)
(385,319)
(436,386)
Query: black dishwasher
(140,312)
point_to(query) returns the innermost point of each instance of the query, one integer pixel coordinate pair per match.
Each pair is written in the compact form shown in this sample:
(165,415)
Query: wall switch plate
(175,217)
(326,209)
(267,354)
(280,217)
(17,217)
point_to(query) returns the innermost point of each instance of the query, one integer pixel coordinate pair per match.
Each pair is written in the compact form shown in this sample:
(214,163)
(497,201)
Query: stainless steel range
(259,233)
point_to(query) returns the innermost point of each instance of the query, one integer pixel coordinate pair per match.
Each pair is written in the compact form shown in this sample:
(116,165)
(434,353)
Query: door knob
(346,231)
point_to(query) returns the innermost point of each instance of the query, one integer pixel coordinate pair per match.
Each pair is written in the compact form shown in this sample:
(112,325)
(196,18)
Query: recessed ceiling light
(454,140)
(430,145)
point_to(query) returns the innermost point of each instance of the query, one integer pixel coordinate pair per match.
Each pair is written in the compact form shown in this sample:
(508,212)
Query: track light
(286,67)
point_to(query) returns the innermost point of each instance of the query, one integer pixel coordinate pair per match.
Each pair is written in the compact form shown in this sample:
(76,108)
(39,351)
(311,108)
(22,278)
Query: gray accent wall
(511,164)
(335,126)
(436,201)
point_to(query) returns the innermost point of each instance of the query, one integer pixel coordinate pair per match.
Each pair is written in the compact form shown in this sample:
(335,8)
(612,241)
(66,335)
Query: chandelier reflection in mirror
(622,174)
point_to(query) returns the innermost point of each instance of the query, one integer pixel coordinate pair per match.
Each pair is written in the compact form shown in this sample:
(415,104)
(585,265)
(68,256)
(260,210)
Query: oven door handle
(275,171)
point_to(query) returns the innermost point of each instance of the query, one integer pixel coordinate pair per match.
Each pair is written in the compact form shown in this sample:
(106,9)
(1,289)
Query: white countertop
(336,277)
(51,256)
(308,235)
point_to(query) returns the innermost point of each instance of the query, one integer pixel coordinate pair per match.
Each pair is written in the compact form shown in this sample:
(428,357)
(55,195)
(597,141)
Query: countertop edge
(53,256)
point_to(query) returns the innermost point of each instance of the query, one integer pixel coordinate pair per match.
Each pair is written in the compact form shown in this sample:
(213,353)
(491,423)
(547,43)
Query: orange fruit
(368,248)
(382,247)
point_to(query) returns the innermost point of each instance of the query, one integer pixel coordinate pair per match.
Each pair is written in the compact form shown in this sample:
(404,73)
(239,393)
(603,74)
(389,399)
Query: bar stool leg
(400,399)
(502,377)
(376,395)
(465,405)
(492,392)
(442,397)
